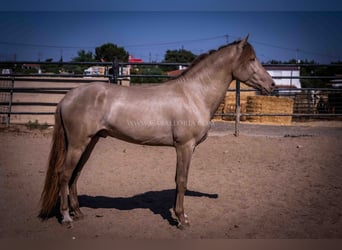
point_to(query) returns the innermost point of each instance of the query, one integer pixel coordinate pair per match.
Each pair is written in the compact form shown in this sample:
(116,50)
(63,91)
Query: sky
(279,30)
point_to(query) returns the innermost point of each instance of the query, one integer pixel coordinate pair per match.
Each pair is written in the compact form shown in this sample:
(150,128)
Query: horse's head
(249,70)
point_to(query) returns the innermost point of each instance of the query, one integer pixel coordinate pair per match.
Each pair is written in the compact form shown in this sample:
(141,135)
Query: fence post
(237,108)
(115,68)
(10,103)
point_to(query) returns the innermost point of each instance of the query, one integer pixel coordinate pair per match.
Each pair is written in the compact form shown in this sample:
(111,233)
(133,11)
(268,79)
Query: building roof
(175,73)
(132,59)
(31,65)
(282,68)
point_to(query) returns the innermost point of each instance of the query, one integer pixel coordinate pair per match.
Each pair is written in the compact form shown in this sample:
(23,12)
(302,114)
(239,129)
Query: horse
(176,113)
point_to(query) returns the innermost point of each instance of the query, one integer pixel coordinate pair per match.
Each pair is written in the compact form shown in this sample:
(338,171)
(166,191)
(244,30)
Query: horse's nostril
(273,84)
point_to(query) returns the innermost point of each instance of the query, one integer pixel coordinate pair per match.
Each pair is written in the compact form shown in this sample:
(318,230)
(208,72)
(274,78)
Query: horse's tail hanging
(51,189)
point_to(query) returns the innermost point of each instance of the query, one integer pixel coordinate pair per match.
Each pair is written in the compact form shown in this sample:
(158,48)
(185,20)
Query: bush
(35,125)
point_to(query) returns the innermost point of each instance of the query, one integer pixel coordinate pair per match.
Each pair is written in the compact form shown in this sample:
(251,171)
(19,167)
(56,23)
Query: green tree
(152,71)
(179,56)
(108,51)
(50,68)
(83,56)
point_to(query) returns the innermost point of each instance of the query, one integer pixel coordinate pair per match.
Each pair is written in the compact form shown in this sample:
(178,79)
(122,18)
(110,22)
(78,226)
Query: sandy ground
(270,182)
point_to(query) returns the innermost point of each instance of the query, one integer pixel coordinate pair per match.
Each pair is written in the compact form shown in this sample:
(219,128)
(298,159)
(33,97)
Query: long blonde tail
(57,156)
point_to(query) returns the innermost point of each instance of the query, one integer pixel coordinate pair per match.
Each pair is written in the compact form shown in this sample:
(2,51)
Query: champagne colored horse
(176,113)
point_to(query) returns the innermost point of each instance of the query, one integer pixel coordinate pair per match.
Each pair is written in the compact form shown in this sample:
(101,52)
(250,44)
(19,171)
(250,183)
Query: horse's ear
(243,42)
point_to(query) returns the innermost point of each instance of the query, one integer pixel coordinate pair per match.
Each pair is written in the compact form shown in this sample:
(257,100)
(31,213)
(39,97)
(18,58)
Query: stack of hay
(302,103)
(269,105)
(219,112)
(229,101)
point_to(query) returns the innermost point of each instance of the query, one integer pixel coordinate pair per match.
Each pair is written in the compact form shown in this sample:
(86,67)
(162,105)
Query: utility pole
(227,39)
(297,59)
(61,60)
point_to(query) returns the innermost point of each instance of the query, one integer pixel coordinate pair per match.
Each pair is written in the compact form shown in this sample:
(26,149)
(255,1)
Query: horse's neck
(210,85)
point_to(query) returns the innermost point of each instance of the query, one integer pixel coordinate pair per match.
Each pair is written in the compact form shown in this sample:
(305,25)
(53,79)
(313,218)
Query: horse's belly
(141,133)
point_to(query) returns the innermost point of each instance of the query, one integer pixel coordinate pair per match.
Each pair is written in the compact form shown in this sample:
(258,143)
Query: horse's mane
(247,53)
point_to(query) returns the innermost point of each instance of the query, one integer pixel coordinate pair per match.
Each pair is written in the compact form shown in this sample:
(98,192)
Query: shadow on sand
(159,202)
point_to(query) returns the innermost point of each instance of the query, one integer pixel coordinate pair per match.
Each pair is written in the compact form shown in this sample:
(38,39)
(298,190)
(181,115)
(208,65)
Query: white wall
(286,81)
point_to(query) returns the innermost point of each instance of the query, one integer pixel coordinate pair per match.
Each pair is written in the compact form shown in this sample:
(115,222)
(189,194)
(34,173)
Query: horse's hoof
(67,221)
(185,224)
(68,224)
(78,216)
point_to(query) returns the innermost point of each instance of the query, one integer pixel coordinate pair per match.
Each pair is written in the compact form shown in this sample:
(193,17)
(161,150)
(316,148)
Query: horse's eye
(253,59)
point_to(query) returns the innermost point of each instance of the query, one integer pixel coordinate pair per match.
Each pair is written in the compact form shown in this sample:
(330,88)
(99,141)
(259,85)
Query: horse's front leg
(184,154)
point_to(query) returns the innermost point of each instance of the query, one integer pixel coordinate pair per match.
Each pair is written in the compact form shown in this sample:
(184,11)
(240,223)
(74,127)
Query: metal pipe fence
(308,102)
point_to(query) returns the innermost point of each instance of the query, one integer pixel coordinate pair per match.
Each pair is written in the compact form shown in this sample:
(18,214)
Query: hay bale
(229,104)
(303,104)
(269,105)
(219,111)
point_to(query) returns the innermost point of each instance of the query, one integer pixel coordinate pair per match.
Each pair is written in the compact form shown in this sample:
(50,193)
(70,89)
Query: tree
(109,51)
(50,68)
(83,56)
(179,56)
(147,70)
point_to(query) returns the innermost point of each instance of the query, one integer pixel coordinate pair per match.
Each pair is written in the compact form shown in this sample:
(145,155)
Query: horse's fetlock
(179,212)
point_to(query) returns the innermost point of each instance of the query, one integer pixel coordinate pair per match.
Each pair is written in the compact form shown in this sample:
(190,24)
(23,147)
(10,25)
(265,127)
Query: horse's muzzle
(268,90)
(273,87)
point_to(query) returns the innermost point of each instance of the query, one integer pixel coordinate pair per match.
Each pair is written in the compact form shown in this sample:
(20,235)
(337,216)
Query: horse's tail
(51,189)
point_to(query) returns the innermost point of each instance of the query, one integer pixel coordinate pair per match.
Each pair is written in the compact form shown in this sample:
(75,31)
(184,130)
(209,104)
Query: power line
(44,45)
(126,46)
(225,38)
(175,42)
(295,50)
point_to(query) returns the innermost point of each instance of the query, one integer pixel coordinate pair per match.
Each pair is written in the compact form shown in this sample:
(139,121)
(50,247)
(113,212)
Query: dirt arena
(270,182)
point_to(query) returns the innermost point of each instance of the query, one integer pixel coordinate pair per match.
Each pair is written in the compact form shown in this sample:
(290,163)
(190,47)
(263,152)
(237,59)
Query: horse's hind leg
(72,158)
(74,205)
